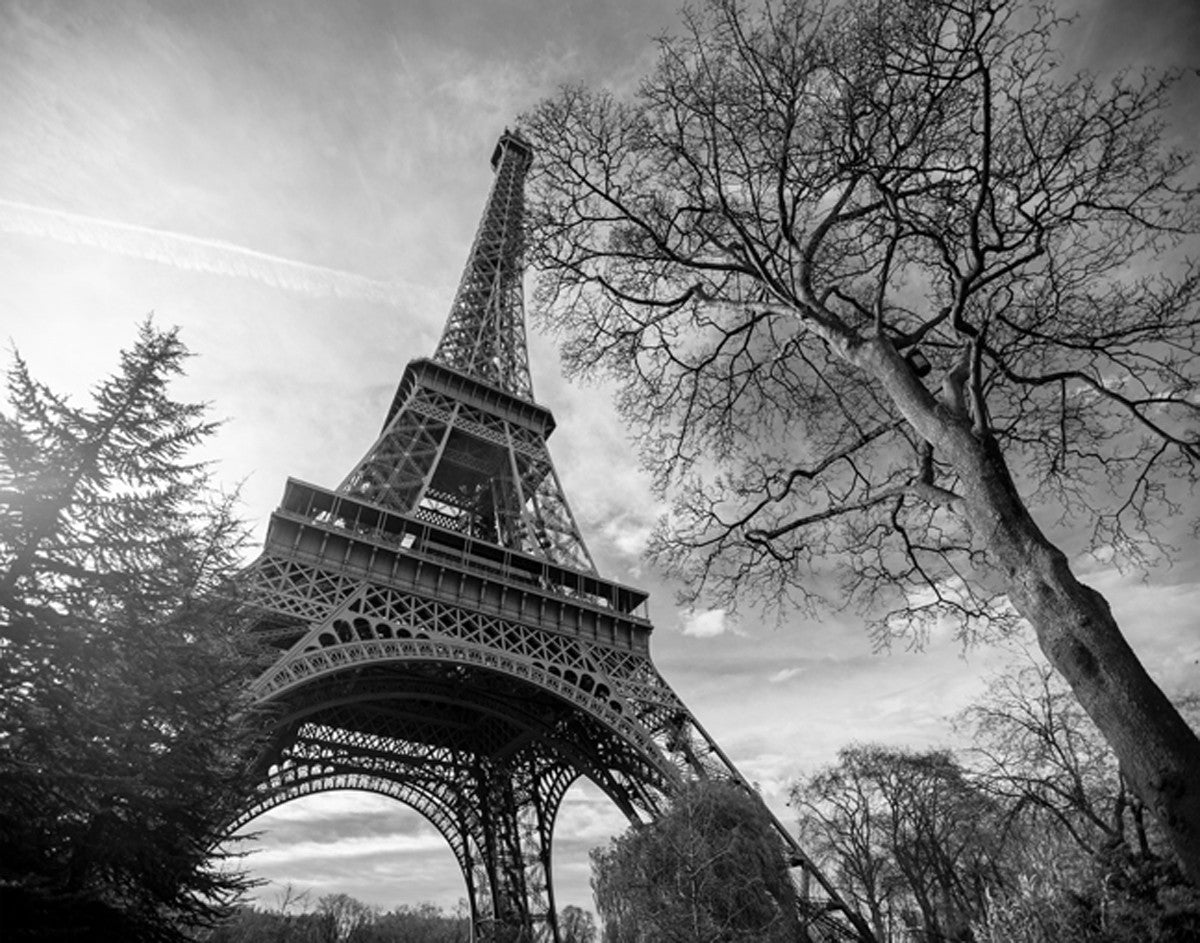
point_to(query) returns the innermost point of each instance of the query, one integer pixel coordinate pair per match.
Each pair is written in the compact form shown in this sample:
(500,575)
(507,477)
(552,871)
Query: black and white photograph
(628,471)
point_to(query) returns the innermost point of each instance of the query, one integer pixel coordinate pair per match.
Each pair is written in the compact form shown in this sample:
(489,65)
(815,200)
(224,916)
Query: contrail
(196,254)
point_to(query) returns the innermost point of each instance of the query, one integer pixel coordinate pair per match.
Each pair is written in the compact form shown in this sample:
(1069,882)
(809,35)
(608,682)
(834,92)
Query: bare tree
(1041,757)
(347,917)
(1087,857)
(1031,846)
(878,282)
(908,837)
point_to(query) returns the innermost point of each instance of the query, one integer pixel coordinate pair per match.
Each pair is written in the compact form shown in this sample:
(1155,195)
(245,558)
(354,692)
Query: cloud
(706,624)
(628,535)
(587,816)
(331,805)
(784,674)
(360,847)
(1158,621)
(194,253)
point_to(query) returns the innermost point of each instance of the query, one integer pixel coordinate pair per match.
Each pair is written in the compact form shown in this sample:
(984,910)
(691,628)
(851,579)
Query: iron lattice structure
(438,630)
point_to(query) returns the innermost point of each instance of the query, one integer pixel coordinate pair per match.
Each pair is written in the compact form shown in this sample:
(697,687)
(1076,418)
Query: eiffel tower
(439,629)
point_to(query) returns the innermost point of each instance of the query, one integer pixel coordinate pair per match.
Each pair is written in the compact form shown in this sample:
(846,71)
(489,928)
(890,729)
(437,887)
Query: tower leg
(513,897)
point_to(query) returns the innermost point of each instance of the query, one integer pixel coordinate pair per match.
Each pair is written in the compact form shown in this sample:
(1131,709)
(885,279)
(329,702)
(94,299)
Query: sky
(295,184)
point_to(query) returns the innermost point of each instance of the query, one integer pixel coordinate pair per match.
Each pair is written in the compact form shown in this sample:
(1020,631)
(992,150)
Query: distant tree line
(339,918)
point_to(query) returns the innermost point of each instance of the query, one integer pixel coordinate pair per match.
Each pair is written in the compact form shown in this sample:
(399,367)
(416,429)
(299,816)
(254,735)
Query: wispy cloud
(194,253)
(628,534)
(354,847)
(784,674)
(705,624)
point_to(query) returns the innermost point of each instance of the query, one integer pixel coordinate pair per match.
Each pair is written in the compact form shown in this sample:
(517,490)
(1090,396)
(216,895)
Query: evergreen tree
(709,870)
(125,735)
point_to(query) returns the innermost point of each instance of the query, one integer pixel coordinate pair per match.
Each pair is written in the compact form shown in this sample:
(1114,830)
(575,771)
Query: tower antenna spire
(484,335)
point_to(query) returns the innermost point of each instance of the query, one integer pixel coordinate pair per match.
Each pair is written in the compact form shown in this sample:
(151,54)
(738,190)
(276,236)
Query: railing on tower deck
(419,535)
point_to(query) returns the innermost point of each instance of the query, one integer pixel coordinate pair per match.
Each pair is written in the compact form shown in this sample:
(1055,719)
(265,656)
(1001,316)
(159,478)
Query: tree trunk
(1157,750)
(1076,630)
